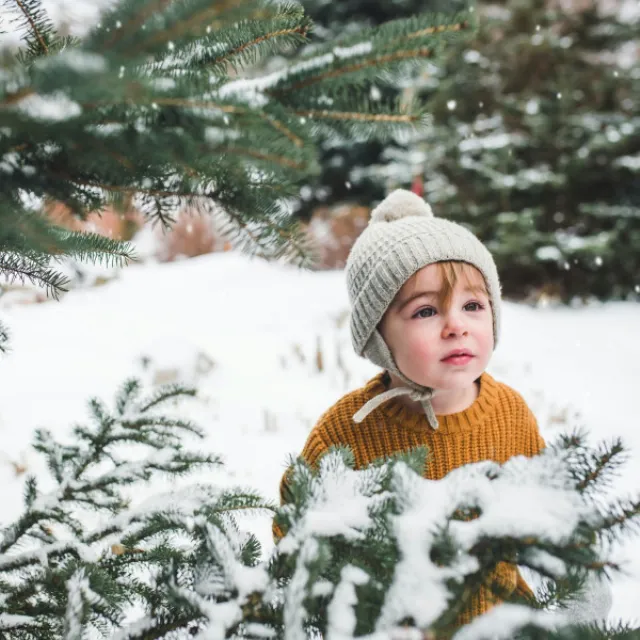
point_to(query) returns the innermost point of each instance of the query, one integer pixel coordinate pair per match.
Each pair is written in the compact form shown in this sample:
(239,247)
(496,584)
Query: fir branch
(57,549)
(603,464)
(126,190)
(231,109)
(288,24)
(357,116)
(95,248)
(346,69)
(38,24)
(290,238)
(237,500)
(36,241)
(13,533)
(242,48)
(269,158)
(298,33)
(166,393)
(142,428)
(463,25)
(279,126)
(128,394)
(30,267)
(621,515)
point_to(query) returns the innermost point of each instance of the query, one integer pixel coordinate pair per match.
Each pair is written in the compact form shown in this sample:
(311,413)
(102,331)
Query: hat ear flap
(377,352)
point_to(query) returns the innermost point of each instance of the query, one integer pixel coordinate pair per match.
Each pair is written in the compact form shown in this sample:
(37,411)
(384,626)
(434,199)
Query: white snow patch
(83,60)
(504,621)
(341,617)
(360,49)
(56,106)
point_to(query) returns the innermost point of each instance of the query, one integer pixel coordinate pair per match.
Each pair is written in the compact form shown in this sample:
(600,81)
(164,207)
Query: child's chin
(456,380)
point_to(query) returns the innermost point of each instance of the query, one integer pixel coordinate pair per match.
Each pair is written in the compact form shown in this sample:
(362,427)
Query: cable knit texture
(497,426)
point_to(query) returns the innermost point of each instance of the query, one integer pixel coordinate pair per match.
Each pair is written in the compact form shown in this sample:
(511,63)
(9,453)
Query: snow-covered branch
(409,550)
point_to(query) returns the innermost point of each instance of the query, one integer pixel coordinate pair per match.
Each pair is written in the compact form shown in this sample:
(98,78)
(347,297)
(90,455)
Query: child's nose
(454,324)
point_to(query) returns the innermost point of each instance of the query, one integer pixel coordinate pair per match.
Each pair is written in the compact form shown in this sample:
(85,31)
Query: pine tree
(536,144)
(382,550)
(351,170)
(80,559)
(168,103)
(378,550)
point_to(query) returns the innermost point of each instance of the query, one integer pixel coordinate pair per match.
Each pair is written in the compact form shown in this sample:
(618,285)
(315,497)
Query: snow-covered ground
(268,347)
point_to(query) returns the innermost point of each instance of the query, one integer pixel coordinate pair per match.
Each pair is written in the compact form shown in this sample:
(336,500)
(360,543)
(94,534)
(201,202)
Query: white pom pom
(400,204)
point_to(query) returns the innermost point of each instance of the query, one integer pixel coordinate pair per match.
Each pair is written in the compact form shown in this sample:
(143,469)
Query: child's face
(421,333)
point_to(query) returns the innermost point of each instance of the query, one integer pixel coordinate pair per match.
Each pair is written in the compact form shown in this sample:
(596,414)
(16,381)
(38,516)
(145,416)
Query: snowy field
(268,347)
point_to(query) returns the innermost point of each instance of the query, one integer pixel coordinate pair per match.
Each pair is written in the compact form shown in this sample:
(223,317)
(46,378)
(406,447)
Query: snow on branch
(56,542)
(409,550)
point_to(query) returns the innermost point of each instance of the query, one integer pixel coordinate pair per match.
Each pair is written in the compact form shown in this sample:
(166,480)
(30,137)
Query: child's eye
(477,305)
(425,312)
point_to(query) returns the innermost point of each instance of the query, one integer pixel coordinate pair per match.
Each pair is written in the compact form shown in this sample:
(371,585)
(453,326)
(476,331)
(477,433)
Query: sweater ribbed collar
(465,420)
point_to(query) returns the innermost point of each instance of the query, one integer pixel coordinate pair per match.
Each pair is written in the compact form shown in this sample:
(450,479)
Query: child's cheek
(419,346)
(485,338)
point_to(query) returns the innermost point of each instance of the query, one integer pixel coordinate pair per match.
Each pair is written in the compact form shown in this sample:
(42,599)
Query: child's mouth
(458,360)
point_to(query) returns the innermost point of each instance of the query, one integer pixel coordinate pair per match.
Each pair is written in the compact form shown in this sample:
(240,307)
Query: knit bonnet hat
(402,237)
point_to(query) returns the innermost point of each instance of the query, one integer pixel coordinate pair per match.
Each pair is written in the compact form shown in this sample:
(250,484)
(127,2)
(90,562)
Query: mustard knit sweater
(497,426)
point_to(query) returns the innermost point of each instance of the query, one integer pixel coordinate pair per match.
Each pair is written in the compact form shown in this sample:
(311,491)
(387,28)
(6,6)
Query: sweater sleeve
(315,447)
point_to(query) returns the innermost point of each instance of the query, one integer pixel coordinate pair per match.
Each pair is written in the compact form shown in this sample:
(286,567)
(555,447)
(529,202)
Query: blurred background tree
(342,161)
(535,146)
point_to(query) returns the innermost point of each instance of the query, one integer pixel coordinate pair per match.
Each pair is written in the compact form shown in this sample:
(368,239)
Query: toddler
(425,307)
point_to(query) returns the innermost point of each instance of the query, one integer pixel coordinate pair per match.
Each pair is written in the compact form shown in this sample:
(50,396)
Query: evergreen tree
(536,146)
(379,550)
(80,560)
(382,550)
(346,163)
(164,104)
